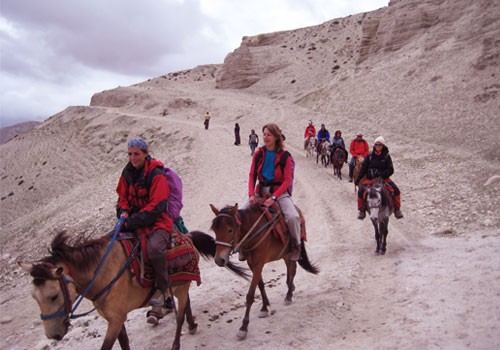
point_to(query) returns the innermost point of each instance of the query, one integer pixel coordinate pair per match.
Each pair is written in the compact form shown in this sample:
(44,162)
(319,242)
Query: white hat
(380,139)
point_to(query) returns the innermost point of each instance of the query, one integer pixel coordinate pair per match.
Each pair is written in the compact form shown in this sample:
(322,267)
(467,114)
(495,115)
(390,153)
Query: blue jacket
(323,134)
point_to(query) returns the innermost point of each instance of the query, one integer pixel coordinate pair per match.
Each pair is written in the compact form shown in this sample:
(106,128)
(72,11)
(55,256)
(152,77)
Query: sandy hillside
(423,74)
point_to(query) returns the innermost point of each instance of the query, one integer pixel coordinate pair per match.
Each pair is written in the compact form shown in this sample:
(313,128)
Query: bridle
(65,309)
(247,237)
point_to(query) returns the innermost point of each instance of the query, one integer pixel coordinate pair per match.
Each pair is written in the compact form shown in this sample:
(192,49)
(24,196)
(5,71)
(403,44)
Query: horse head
(226,226)
(374,200)
(55,292)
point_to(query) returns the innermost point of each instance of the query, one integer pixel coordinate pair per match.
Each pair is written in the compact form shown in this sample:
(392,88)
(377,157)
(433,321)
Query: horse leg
(256,277)
(291,269)
(114,329)
(123,338)
(377,236)
(384,228)
(182,294)
(193,326)
(264,311)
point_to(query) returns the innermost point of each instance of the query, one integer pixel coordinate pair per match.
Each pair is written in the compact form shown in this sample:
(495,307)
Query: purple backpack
(174,205)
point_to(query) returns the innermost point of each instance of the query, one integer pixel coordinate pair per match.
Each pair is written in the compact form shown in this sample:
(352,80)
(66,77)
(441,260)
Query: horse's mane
(220,219)
(80,252)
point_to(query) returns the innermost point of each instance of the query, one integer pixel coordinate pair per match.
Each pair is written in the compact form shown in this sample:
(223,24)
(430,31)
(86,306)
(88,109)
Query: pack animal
(250,230)
(338,160)
(73,272)
(380,205)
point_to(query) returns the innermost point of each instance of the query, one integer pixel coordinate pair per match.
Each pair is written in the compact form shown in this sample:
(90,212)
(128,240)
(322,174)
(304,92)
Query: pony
(338,160)
(380,205)
(74,271)
(357,169)
(250,231)
(310,146)
(324,152)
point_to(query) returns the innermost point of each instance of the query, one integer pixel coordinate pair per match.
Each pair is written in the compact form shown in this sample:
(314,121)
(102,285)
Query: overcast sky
(58,53)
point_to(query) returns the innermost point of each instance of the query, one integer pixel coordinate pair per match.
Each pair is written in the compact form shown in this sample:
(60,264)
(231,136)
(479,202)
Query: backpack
(174,205)
(281,164)
(253,138)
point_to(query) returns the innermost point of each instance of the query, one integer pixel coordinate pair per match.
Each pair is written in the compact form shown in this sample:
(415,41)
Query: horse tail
(205,244)
(304,260)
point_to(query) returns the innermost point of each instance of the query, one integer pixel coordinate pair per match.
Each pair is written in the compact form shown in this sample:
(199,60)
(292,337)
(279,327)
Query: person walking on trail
(378,164)
(358,147)
(275,182)
(253,141)
(144,209)
(206,120)
(237,140)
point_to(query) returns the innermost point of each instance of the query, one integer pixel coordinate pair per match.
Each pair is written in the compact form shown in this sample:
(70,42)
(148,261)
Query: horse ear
(235,208)
(27,267)
(214,209)
(58,272)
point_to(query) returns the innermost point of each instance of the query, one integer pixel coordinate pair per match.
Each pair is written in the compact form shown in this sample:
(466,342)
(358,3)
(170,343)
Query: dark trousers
(156,246)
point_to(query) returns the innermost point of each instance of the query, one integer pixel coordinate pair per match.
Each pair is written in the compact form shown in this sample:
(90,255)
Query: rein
(69,312)
(250,234)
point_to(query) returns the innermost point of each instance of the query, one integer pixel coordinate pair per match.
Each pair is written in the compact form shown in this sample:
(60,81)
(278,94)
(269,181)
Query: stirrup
(154,315)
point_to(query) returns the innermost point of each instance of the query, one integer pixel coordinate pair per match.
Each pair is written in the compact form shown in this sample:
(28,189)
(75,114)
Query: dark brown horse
(338,160)
(77,271)
(250,231)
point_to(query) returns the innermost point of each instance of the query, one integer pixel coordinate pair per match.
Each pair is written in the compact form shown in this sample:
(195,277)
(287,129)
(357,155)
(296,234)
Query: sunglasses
(134,153)
(378,144)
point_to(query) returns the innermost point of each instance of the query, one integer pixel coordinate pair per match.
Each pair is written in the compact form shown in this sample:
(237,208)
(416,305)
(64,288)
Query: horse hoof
(263,314)
(288,301)
(193,330)
(382,252)
(241,334)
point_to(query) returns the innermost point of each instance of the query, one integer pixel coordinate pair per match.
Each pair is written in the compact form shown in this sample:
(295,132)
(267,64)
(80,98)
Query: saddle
(181,256)
(280,228)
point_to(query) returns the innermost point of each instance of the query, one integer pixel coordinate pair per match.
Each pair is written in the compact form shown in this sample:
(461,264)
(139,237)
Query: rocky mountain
(422,73)
(9,132)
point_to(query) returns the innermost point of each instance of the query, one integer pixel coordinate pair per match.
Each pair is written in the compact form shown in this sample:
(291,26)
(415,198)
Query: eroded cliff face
(405,30)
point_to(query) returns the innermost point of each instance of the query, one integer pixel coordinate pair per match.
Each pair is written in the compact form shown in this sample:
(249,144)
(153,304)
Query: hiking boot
(398,214)
(154,315)
(350,179)
(294,253)
(241,256)
(361,214)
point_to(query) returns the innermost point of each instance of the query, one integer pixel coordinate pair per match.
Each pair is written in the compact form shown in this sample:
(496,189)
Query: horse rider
(144,208)
(357,147)
(309,132)
(274,181)
(378,164)
(322,136)
(338,141)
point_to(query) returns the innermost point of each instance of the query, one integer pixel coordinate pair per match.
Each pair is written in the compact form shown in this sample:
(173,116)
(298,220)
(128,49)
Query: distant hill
(12,131)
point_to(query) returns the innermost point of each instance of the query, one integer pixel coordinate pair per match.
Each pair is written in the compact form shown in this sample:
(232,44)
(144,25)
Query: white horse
(310,145)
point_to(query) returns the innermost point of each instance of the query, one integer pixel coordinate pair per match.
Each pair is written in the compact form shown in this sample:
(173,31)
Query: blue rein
(64,281)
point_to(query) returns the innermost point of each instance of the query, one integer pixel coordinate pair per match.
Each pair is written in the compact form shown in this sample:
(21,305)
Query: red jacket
(146,206)
(308,129)
(359,147)
(281,182)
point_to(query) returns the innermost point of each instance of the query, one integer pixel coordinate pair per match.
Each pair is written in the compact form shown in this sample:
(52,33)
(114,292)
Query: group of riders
(376,164)
(143,193)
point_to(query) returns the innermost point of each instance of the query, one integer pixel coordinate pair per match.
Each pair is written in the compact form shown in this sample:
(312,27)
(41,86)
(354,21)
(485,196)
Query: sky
(58,53)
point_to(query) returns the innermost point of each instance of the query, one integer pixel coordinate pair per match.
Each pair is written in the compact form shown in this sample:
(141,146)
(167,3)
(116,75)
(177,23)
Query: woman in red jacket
(275,181)
(142,200)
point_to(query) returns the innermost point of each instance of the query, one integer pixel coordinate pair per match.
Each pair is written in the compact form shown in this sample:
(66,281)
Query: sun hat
(359,134)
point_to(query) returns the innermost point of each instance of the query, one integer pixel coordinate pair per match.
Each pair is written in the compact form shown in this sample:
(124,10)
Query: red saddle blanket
(181,255)
(280,228)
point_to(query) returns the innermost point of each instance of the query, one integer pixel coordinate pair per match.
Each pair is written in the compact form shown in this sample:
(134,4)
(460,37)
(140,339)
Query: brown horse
(357,169)
(310,145)
(73,271)
(249,230)
(338,160)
